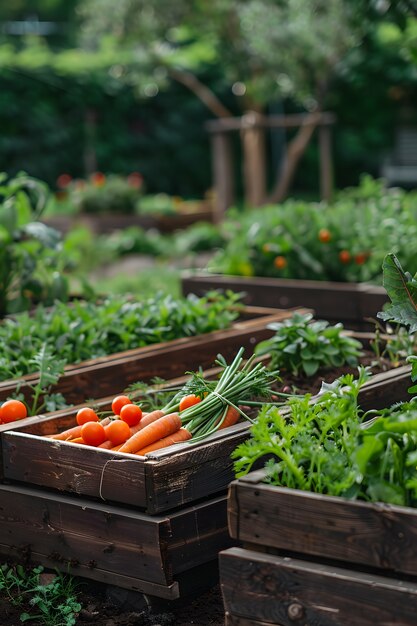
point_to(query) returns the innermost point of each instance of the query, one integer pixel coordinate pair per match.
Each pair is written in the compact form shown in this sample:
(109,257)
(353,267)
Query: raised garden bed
(107,223)
(353,304)
(309,558)
(167,507)
(103,376)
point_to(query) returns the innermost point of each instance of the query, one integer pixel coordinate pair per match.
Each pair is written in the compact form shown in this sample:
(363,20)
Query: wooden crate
(349,303)
(103,376)
(322,560)
(160,481)
(112,544)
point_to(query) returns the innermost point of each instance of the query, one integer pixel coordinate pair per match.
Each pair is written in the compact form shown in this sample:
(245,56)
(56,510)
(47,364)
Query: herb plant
(52,604)
(86,330)
(303,345)
(327,447)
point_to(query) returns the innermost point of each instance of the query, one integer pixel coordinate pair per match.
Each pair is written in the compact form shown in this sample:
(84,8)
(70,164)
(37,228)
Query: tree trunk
(295,151)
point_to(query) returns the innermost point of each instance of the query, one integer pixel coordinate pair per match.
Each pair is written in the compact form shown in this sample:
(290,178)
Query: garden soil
(204,610)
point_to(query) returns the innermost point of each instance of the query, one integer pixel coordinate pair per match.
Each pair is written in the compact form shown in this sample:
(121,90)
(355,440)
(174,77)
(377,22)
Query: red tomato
(12,410)
(131,414)
(344,256)
(93,433)
(324,235)
(85,415)
(117,431)
(360,258)
(188,401)
(280,262)
(118,403)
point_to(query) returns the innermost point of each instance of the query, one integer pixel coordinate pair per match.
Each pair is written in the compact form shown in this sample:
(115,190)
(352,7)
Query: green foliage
(401,288)
(396,345)
(31,266)
(326,447)
(301,344)
(346,240)
(105,194)
(86,330)
(52,604)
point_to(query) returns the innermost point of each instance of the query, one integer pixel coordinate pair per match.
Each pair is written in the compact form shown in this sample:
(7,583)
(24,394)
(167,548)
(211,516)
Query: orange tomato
(131,414)
(324,235)
(344,256)
(85,415)
(118,403)
(280,262)
(188,401)
(93,433)
(12,410)
(117,431)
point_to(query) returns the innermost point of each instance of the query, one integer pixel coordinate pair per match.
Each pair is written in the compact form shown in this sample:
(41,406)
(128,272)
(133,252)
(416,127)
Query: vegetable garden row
(140,439)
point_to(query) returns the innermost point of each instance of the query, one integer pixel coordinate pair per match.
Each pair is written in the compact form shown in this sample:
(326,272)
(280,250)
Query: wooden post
(223,175)
(254,159)
(326,165)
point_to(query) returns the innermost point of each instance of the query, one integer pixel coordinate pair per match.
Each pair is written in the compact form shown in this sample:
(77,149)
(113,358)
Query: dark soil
(131,610)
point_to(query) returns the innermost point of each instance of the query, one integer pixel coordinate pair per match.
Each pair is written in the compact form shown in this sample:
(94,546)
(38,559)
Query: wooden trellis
(252,128)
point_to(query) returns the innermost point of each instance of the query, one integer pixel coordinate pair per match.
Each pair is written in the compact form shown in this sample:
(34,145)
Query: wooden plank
(199,535)
(73,469)
(194,472)
(372,534)
(100,377)
(85,533)
(345,302)
(282,591)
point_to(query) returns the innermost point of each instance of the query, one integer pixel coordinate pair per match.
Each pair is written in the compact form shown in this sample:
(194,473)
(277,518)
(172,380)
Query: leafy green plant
(31,267)
(393,343)
(304,345)
(52,604)
(85,330)
(328,447)
(343,241)
(106,194)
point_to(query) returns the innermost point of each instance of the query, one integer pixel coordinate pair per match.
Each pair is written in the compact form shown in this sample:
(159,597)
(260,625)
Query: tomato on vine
(345,256)
(360,258)
(324,235)
(280,262)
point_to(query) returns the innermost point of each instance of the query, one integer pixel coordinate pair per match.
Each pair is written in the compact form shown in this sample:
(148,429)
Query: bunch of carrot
(194,416)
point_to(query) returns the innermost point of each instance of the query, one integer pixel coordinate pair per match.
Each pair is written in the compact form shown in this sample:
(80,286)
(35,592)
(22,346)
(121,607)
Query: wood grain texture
(343,302)
(92,535)
(281,591)
(113,544)
(374,535)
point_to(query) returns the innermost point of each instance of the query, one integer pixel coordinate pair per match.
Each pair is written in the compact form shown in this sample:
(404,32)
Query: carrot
(160,428)
(149,418)
(75,431)
(181,435)
(232,417)
(76,440)
(70,433)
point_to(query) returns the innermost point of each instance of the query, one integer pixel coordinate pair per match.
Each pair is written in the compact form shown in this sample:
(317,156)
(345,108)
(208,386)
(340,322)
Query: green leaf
(401,288)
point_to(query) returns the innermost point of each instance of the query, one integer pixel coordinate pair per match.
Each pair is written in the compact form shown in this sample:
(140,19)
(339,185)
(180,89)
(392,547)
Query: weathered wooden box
(350,303)
(314,559)
(112,374)
(111,544)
